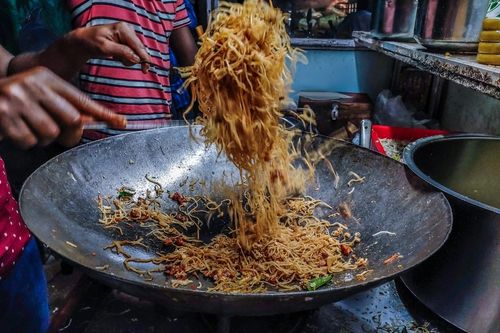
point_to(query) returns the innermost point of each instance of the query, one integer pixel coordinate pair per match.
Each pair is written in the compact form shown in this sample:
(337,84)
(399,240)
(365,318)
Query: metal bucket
(394,19)
(461,282)
(452,25)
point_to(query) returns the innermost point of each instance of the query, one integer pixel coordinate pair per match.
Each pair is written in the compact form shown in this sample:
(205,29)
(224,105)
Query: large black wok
(58,203)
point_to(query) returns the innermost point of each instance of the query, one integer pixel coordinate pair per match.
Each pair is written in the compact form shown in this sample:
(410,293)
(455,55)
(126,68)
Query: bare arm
(67,55)
(5,58)
(183,45)
(38,107)
(317,3)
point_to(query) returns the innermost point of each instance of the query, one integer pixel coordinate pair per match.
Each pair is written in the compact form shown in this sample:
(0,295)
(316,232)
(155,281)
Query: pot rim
(411,148)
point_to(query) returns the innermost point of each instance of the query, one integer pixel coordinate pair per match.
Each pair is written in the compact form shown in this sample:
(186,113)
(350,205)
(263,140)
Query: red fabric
(126,90)
(13,233)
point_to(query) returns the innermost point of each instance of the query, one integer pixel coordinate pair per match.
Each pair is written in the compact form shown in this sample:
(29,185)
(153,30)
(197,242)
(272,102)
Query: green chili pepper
(318,282)
(125,192)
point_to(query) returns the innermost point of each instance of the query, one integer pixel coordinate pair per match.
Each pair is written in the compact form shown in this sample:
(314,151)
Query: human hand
(320,3)
(117,40)
(38,107)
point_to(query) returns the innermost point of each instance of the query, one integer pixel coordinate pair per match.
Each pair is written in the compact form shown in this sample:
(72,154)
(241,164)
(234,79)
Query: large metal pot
(453,25)
(394,19)
(461,282)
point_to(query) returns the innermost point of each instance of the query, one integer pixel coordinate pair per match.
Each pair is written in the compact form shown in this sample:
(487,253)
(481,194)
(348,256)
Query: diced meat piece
(181,217)
(393,258)
(345,249)
(179,198)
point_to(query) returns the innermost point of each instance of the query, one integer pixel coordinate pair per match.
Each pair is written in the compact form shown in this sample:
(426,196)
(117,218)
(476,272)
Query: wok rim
(323,291)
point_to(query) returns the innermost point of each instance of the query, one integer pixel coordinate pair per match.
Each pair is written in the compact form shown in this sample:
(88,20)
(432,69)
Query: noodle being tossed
(240,79)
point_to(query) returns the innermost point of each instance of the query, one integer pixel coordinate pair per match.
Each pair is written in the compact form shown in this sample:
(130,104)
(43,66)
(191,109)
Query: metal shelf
(459,68)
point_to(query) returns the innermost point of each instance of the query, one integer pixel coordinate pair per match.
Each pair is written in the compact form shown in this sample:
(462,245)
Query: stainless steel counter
(459,68)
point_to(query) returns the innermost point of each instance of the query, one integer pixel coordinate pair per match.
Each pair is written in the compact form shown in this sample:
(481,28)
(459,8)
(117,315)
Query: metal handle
(334,114)
(365,133)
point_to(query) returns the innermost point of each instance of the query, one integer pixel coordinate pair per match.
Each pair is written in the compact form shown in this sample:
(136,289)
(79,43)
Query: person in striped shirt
(141,97)
(36,108)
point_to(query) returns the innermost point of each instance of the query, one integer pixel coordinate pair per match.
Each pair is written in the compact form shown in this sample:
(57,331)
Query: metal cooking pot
(461,282)
(452,25)
(394,19)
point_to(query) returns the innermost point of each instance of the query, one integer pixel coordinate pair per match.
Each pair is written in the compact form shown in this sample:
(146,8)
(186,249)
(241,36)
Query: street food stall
(395,115)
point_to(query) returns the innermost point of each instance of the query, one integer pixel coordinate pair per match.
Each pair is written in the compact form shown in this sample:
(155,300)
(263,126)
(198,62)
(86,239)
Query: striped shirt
(127,90)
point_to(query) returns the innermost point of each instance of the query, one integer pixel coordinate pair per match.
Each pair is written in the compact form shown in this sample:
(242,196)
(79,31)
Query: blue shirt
(181,97)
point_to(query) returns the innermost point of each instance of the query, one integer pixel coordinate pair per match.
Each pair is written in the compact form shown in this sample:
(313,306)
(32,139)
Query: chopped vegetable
(362,276)
(394,148)
(392,258)
(181,217)
(345,249)
(345,210)
(71,244)
(318,282)
(179,198)
(125,192)
(102,268)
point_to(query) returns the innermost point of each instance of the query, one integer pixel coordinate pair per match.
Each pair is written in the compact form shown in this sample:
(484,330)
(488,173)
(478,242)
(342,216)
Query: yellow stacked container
(489,46)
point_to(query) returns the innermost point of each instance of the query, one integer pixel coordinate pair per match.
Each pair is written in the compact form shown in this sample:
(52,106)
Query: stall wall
(466,110)
(343,71)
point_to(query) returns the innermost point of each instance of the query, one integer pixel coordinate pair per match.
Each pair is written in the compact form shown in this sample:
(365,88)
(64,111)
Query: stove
(80,305)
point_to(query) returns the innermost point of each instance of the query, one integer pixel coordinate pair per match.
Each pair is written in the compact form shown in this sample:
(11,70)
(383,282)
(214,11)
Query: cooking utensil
(289,112)
(394,19)
(461,282)
(99,125)
(365,133)
(450,25)
(58,204)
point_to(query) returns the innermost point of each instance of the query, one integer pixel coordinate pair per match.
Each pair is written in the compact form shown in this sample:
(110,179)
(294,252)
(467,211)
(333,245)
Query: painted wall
(463,109)
(344,71)
(466,110)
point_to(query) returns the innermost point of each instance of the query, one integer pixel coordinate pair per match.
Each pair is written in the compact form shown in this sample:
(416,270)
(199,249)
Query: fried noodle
(240,79)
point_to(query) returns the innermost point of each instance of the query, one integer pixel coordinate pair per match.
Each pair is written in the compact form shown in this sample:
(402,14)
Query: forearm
(62,58)
(184,46)
(67,55)
(5,58)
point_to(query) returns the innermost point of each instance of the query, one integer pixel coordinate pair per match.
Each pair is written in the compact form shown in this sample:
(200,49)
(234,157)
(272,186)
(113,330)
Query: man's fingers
(18,132)
(87,106)
(71,136)
(60,109)
(126,35)
(41,123)
(67,116)
(145,67)
(87,119)
(125,62)
(121,52)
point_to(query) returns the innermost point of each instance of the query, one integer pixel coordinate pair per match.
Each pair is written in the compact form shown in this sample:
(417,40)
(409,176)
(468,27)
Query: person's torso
(127,90)
(13,233)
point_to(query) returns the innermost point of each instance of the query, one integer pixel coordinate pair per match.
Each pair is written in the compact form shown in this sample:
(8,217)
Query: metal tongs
(100,125)
(289,112)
